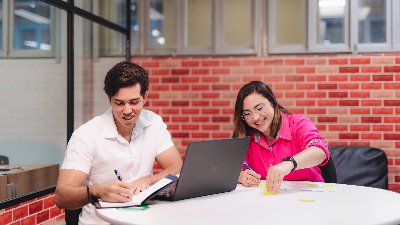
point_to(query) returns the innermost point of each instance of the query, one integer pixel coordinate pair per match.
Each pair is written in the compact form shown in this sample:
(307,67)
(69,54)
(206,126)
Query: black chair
(360,165)
(4,159)
(328,171)
(72,216)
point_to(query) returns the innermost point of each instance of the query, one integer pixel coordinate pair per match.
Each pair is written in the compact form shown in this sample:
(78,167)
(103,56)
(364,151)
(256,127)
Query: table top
(353,205)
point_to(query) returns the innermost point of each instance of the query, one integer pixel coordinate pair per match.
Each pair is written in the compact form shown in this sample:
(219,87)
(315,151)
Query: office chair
(360,165)
(3,159)
(72,216)
(328,171)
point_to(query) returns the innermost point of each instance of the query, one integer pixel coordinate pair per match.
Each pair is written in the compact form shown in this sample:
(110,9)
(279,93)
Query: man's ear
(145,97)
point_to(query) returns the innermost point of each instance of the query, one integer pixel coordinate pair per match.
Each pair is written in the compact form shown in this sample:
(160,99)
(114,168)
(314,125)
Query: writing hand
(249,178)
(116,191)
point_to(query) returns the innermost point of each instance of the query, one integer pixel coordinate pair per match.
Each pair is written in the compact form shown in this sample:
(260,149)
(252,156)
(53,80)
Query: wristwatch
(293,161)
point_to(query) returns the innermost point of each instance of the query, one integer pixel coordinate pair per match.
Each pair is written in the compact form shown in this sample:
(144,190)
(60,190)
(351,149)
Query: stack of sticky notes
(266,192)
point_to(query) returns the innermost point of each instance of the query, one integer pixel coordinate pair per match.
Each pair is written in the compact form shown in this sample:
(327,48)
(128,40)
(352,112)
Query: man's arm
(169,160)
(71,195)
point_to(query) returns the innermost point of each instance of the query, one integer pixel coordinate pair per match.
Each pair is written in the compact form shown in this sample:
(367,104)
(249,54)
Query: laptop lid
(211,167)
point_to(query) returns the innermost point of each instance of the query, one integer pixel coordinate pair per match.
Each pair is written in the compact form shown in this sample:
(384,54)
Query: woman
(283,146)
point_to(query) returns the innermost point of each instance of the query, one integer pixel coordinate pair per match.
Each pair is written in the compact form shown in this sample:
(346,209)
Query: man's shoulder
(93,125)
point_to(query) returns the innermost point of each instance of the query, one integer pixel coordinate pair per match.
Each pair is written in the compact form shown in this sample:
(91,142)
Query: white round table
(354,205)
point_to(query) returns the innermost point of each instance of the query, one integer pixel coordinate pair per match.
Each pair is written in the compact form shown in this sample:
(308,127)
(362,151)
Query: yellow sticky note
(330,185)
(266,192)
(312,184)
(307,200)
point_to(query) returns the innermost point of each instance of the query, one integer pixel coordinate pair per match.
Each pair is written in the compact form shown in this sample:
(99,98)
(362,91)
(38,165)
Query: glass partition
(372,21)
(237,22)
(331,21)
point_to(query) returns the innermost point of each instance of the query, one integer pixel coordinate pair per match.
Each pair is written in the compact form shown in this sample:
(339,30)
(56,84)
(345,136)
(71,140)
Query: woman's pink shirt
(296,134)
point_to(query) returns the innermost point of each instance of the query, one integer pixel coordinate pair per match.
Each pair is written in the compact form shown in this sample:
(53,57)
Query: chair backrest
(328,171)
(3,159)
(360,165)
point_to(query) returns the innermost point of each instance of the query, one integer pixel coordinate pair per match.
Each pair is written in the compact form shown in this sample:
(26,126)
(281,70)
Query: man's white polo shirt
(97,149)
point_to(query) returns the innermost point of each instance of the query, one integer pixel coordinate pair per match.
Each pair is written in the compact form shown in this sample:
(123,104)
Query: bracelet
(88,195)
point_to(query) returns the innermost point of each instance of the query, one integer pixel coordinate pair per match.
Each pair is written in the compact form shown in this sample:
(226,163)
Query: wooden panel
(3,187)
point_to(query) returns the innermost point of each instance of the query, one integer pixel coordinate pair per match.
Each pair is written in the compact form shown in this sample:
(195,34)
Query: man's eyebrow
(134,99)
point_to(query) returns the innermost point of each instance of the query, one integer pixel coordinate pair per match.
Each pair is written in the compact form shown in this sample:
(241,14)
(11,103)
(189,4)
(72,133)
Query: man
(126,138)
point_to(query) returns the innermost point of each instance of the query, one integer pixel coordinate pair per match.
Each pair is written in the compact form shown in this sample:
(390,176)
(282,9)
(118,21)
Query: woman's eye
(246,114)
(261,108)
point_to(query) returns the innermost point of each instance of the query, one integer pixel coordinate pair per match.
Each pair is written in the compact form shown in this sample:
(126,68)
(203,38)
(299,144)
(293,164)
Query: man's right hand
(249,178)
(116,191)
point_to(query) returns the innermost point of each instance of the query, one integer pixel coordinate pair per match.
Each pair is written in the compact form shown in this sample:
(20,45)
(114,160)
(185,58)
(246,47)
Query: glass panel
(1,24)
(32,25)
(198,24)
(331,19)
(33,118)
(372,21)
(289,29)
(111,10)
(161,23)
(90,99)
(237,22)
(134,24)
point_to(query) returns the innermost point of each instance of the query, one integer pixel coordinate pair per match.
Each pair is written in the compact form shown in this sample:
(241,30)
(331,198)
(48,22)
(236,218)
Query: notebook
(210,167)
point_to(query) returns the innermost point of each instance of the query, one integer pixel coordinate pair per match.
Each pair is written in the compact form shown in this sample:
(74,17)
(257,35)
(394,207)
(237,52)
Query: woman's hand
(140,185)
(249,178)
(275,175)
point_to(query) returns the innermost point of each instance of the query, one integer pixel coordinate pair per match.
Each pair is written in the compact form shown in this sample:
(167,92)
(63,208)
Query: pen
(118,175)
(247,165)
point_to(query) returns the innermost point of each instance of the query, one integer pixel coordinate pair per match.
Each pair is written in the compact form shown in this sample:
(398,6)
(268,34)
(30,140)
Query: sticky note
(266,192)
(307,200)
(330,185)
(312,184)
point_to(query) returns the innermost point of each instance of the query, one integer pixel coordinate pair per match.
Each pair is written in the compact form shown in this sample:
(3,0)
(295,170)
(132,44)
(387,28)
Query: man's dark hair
(125,74)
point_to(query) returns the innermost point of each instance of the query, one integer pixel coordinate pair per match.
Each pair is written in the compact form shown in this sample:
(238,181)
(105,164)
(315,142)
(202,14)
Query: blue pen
(247,165)
(118,175)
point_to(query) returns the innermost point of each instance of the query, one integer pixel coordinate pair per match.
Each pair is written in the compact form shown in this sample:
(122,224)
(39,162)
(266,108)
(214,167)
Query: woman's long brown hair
(241,127)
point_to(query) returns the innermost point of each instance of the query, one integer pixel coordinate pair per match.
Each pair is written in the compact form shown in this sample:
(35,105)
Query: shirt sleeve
(164,141)
(307,135)
(79,154)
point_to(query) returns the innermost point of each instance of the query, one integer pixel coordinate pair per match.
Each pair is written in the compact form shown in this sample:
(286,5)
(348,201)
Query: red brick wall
(352,99)
(41,211)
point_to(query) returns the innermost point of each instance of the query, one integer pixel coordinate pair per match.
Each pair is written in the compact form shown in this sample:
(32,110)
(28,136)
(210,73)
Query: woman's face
(258,113)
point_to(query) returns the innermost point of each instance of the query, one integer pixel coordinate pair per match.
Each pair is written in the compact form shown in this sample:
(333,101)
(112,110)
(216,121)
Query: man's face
(127,104)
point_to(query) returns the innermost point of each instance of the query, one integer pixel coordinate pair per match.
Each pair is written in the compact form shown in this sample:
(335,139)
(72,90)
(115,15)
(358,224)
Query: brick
(391,120)
(286,70)
(150,64)
(54,212)
(210,79)
(352,86)
(348,136)
(179,135)
(383,111)
(316,61)
(360,94)
(362,61)
(6,217)
(337,143)
(382,128)
(327,86)
(371,120)
(190,79)
(305,86)
(165,119)
(391,102)
(231,63)
(201,119)
(360,143)
(327,102)
(221,103)
(382,61)
(349,102)
(200,135)
(295,62)
(338,128)
(160,72)
(220,135)
(153,96)
(190,127)
(180,87)
(210,111)
(210,63)
(391,136)
(154,80)
(397,128)
(252,62)
(190,111)
(262,70)
(348,119)
(359,127)
(20,213)
(210,127)
(180,103)
(320,127)
(360,77)
(305,69)
(220,119)
(371,102)
(397,111)
(170,111)
(305,103)
(170,80)
(228,111)
(294,95)
(316,111)
(231,79)
(247,79)
(327,69)
(316,78)
(397,77)
(190,63)
(391,69)
(284,86)
(201,87)
(159,103)
(241,70)
(29,220)
(316,94)
(338,94)
(349,69)
(275,62)
(191,95)
(333,111)
(200,71)
(160,58)
(327,119)
(371,86)
(360,111)
(382,94)
(180,72)
(371,69)
(382,77)
(294,78)
(221,71)
(200,103)
(395,86)
(42,216)
(338,78)
(221,87)
(371,136)
(338,61)
(297,111)
(209,95)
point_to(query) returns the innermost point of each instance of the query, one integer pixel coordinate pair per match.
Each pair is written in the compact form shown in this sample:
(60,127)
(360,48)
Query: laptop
(210,167)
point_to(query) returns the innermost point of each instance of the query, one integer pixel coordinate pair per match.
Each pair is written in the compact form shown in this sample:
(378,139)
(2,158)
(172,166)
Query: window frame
(396,24)
(4,49)
(34,53)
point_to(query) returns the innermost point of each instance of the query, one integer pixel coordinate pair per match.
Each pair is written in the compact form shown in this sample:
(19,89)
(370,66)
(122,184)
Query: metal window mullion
(305,24)
(5,31)
(256,25)
(128,30)
(217,32)
(353,29)
(264,24)
(395,25)
(312,27)
(180,23)
(142,25)
(145,17)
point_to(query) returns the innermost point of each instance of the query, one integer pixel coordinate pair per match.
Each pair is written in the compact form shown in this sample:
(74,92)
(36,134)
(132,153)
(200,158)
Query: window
(320,26)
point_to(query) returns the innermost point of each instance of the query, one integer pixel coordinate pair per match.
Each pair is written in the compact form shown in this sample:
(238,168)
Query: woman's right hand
(249,178)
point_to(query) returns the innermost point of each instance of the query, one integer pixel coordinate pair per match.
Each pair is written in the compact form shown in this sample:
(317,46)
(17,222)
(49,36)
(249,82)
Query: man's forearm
(71,197)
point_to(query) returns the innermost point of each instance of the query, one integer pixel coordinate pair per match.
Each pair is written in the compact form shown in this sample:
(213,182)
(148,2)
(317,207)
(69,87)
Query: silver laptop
(210,167)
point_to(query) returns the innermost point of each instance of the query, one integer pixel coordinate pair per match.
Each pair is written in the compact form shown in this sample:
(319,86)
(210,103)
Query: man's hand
(140,185)
(116,191)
